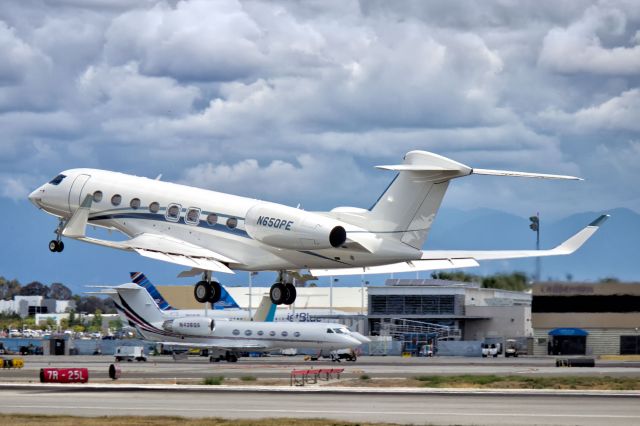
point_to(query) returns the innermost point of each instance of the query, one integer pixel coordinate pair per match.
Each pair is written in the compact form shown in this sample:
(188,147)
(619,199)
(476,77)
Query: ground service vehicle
(511,348)
(129,353)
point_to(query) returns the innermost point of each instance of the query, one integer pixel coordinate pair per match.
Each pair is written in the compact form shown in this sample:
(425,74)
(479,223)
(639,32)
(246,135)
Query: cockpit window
(56,180)
(329,330)
(337,330)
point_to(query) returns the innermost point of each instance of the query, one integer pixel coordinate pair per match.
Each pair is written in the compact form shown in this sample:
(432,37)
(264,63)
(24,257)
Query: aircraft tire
(60,246)
(278,293)
(215,292)
(53,246)
(291,293)
(202,292)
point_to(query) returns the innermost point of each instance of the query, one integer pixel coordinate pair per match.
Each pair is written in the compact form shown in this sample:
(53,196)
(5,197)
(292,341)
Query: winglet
(599,221)
(575,242)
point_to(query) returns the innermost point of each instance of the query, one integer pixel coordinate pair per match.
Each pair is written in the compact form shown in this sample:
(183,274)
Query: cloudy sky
(296,101)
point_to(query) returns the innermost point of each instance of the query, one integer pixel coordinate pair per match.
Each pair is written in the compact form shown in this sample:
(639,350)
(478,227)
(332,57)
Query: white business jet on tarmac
(223,338)
(211,231)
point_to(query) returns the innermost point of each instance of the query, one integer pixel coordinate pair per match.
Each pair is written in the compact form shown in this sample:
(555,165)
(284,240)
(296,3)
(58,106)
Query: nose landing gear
(56,246)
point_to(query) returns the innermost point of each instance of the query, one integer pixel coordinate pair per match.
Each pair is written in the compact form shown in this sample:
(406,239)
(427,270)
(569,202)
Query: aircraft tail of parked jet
(226,300)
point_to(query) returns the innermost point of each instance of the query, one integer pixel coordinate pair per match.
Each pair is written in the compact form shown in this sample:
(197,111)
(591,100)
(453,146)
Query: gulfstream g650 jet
(211,231)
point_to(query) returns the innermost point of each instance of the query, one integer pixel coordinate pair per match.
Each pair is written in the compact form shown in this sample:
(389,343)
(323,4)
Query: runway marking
(275,411)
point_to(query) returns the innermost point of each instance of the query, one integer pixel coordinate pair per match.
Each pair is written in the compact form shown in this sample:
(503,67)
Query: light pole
(535,226)
(331,294)
(251,274)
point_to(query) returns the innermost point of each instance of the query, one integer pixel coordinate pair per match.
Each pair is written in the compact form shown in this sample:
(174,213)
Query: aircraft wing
(452,259)
(168,249)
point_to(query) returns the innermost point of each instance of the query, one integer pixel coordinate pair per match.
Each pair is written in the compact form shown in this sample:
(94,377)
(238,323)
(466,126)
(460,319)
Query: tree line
(59,291)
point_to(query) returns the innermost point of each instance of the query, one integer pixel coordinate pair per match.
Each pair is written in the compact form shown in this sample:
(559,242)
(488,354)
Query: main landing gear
(207,290)
(56,246)
(283,293)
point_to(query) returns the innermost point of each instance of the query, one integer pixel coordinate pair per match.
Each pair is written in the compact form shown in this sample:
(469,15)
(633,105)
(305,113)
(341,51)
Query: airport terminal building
(586,318)
(467,310)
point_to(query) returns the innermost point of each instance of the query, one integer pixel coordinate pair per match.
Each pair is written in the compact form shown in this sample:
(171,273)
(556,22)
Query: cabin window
(284,334)
(135,203)
(247,332)
(116,199)
(192,217)
(296,334)
(260,333)
(232,222)
(56,180)
(235,332)
(272,333)
(173,212)
(212,219)
(154,207)
(97,196)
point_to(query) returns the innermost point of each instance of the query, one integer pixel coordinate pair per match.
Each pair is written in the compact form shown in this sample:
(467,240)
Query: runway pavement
(427,408)
(164,367)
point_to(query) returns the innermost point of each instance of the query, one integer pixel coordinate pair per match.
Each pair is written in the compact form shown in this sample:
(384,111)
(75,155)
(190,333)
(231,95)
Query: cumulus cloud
(580,48)
(296,101)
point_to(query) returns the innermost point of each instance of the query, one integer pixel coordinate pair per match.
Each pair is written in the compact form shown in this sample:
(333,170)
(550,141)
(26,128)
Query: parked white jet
(223,338)
(215,232)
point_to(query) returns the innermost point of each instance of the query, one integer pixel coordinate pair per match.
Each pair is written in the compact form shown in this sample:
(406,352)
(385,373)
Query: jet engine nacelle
(290,228)
(193,326)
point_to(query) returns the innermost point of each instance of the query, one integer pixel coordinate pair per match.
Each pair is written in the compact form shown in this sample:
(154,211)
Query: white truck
(490,349)
(130,353)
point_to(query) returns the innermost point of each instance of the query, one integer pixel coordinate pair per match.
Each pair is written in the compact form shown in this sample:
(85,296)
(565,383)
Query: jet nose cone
(362,338)
(352,342)
(36,197)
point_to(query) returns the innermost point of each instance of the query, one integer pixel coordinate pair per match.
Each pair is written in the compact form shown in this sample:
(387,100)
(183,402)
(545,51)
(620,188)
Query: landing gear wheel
(291,293)
(56,246)
(202,292)
(278,293)
(216,292)
(231,357)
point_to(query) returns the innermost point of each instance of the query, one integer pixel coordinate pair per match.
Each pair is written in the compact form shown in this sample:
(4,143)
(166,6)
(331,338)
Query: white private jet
(211,231)
(223,338)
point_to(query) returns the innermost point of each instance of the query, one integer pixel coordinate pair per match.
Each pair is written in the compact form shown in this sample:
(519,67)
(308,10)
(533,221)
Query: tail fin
(135,306)
(140,279)
(266,312)
(226,301)
(408,207)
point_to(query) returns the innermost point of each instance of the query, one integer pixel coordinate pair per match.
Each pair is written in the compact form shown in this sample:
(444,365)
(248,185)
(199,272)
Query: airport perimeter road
(407,409)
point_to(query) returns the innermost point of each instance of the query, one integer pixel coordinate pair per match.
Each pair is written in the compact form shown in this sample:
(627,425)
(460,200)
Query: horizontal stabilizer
(522,174)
